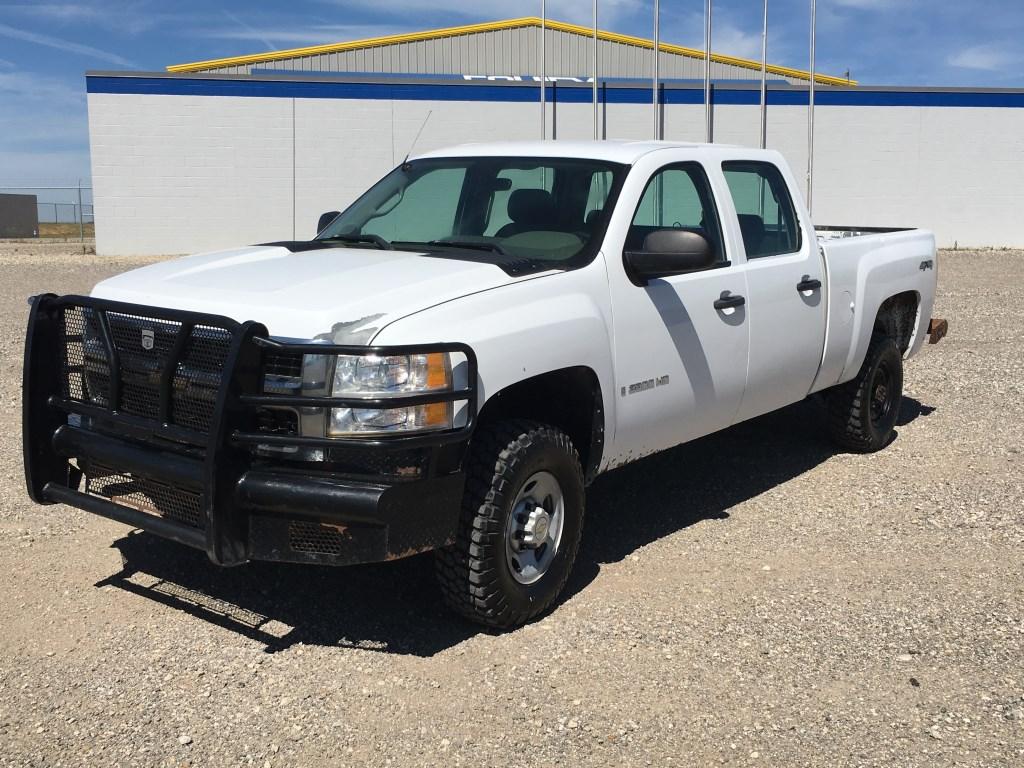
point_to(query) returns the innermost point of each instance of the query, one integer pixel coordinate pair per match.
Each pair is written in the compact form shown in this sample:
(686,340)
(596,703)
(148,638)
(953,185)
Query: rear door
(785,288)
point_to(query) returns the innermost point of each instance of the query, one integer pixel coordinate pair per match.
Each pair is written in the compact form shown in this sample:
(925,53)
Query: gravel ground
(753,598)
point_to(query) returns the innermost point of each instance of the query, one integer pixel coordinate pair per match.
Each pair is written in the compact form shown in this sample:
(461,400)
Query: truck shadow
(396,607)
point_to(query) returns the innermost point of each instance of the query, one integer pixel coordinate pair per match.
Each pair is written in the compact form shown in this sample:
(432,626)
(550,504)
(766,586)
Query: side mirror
(669,252)
(325,219)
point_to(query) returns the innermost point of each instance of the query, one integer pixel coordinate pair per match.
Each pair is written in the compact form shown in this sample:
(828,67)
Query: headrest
(535,207)
(752,227)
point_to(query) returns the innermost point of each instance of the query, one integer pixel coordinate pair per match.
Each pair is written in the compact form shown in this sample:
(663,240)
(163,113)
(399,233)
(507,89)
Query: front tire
(862,413)
(522,517)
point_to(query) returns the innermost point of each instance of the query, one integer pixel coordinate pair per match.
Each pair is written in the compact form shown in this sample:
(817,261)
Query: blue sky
(45,48)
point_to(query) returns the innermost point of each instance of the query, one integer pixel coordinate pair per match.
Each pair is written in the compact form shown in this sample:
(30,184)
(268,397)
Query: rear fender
(864,273)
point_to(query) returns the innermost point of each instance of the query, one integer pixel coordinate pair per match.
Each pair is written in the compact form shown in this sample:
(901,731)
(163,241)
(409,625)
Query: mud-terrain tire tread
(847,409)
(466,571)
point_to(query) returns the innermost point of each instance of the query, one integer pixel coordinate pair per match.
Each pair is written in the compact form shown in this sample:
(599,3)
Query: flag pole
(810,114)
(655,75)
(764,78)
(707,71)
(543,70)
(595,70)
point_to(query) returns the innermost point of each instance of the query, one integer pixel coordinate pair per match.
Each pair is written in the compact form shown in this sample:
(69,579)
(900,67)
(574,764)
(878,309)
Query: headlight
(373,376)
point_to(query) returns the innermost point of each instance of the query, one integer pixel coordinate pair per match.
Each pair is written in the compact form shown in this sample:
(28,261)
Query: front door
(680,341)
(785,285)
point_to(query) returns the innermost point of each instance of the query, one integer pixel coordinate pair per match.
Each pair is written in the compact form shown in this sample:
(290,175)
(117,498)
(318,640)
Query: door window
(677,197)
(764,207)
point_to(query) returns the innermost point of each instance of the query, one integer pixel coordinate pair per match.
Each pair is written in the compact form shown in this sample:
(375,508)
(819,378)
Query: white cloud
(32,87)
(55,11)
(575,11)
(732,41)
(56,167)
(984,57)
(63,45)
(41,117)
(727,37)
(873,5)
(123,17)
(313,35)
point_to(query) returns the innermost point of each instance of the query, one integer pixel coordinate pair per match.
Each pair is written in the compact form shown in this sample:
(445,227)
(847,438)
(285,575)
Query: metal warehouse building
(253,148)
(502,48)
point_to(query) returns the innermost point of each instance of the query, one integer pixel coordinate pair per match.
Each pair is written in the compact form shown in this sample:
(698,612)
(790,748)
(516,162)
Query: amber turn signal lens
(438,373)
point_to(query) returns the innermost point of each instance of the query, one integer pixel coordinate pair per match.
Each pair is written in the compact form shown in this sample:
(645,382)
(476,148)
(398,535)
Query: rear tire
(862,412)
(512,556)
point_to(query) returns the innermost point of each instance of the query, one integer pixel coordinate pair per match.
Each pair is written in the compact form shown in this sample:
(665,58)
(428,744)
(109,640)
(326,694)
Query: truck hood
(342,294)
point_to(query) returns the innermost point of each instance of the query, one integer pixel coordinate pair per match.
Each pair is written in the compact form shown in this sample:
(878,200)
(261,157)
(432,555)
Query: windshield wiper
(471,245)
(376,240)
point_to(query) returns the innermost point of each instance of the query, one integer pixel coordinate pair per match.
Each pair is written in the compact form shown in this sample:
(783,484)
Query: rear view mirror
(326,219)
(669,252)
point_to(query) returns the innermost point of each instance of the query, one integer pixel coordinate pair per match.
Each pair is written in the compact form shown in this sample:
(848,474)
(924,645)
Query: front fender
(524,329)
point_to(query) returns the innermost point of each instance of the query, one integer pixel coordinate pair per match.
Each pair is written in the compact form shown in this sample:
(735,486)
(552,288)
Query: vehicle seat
(530,210)
(752,228)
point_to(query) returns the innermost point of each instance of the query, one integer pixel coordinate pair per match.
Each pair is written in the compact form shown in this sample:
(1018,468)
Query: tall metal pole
(764,78)
(810,115)
(543,70)
(81,216)
(655,75)
(707,71)
(595,70)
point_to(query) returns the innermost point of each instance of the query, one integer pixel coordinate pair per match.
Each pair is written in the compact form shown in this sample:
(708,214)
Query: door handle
(729,300)
(807,284)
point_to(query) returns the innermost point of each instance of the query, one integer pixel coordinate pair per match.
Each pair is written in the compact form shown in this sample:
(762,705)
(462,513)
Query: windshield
(549,212)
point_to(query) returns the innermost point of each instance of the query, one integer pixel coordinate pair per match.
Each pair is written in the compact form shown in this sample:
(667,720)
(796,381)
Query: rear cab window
(767,217)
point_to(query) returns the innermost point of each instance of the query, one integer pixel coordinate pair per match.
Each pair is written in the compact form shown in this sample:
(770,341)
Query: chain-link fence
(47,212)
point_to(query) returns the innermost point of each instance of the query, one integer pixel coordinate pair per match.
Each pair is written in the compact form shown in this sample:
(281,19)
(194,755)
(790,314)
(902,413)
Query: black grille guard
(210,462)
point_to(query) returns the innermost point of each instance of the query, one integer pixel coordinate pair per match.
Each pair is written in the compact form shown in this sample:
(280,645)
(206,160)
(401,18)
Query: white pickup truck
(455,356)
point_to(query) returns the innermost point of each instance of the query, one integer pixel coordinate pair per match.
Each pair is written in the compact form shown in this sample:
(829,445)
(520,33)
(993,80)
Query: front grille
(140,367)
(288,364)
(145,347)
(277,421)
(197,378)
(315,538)
(146,494)
(86,377)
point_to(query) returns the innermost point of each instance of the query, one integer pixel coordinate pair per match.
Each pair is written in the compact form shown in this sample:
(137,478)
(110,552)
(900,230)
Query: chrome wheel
(533,531)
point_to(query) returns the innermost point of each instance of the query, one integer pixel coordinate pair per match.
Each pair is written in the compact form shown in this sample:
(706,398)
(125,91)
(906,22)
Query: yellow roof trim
(493,26)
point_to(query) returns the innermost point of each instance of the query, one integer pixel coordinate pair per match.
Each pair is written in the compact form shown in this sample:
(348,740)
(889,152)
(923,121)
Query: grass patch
(47,229)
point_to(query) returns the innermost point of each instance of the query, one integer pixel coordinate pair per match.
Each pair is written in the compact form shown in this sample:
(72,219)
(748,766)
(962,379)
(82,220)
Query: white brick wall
(179,174)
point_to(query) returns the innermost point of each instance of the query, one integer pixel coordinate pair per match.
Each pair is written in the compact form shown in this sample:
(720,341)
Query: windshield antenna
(417,138)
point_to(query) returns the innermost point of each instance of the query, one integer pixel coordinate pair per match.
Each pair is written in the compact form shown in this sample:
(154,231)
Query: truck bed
(837,232)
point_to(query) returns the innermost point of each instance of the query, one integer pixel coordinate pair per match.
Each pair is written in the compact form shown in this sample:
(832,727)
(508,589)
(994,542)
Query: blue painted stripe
(527,92)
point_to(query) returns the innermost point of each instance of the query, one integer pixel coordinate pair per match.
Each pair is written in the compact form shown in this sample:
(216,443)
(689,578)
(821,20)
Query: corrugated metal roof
(494,26)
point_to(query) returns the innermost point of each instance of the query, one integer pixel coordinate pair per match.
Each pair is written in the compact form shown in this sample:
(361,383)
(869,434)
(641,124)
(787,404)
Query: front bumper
(170,440)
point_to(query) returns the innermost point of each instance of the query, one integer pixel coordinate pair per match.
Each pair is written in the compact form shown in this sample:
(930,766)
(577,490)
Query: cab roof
(612,150)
